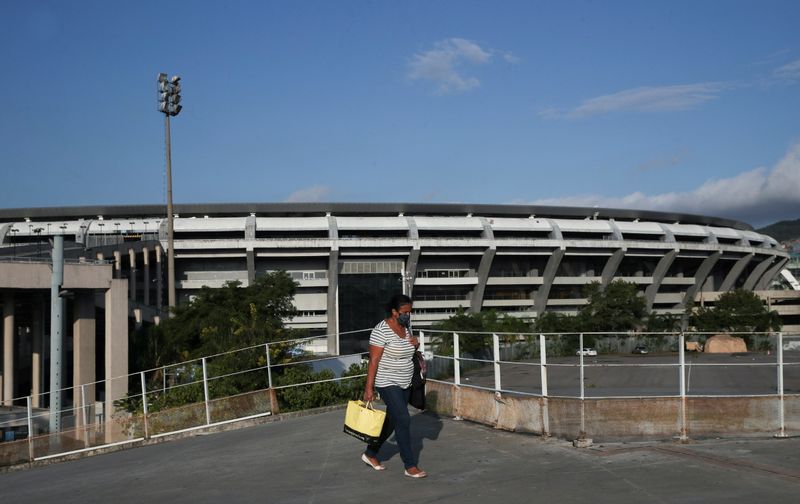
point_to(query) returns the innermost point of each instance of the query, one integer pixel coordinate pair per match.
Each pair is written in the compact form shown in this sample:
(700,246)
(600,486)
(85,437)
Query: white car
(587,352)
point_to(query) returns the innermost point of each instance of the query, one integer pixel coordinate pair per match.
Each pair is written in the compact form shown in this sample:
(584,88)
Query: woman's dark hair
(396,302)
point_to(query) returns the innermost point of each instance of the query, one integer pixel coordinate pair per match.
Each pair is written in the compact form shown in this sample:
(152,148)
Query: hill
(783,230)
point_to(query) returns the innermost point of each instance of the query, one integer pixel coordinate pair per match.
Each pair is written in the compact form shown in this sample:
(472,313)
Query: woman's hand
(414,341)
(369,395)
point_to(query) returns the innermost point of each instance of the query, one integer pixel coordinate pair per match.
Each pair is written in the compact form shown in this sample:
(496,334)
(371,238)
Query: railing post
(496,348)
(273,397)
(782,432)
(543,364)
(682,361)
(205,392)
(84,417)
(456,361)
(144,406)
(456,378)
(422,342)
(30,428)
(583,386)
(543,370)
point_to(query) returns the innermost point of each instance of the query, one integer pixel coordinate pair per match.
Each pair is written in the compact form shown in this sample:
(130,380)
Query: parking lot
(652,374)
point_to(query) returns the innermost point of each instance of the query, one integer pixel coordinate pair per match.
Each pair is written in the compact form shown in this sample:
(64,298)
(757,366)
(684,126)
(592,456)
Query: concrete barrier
(617,419)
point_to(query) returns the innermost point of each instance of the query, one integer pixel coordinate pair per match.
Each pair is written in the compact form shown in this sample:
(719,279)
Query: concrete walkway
(308,459)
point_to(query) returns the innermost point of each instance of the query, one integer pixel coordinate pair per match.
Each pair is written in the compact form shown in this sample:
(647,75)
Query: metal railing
(551,365)
(260,380)
(232,386)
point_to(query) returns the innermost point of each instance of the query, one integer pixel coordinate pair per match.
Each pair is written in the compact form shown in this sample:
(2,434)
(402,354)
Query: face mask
(404,319)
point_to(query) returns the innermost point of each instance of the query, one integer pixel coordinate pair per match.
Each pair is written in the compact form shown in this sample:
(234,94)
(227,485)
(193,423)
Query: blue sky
(674,105)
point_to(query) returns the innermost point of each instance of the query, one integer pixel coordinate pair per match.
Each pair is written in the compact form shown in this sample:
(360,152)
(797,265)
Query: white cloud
(644,99)
(759,196)
(309,194)
(444,64)
(789,71)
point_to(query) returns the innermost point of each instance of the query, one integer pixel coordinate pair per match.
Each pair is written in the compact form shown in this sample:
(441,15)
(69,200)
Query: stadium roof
(360,209)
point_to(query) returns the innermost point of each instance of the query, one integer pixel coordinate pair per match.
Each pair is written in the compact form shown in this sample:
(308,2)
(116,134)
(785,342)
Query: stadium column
(733,274)
(333,287)
(771,273)
(132,276)
(36,353)
(116,352)
(250,237)
(8,348)
(117,264)
(699,279)
(757,272)
(484,268)
(550,269)
(159,278)
(658,276)
(83,350)
(413,256)
(146,279)
(540,301)
(611,266)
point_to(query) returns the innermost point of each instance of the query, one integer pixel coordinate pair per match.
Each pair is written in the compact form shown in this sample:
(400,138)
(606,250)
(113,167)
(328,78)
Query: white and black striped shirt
(395,366)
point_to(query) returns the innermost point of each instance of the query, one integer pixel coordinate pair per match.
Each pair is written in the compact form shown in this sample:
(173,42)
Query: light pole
(168,103)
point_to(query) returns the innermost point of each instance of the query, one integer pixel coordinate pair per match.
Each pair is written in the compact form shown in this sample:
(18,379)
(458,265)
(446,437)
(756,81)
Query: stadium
(82,278)
(517,259)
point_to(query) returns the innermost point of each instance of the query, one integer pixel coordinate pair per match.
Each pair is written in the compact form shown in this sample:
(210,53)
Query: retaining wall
(616,419)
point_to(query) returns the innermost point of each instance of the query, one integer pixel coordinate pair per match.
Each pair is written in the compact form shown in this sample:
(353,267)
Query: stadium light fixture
(169,98)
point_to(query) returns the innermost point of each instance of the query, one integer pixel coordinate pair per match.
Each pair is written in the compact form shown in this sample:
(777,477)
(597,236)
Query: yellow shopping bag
(363,422)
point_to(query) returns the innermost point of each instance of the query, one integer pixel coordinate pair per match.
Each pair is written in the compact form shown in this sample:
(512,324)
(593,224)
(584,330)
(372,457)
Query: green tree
(735,311)
(554,322)
(215,322)
(618,307)
(488,321)
(663,322)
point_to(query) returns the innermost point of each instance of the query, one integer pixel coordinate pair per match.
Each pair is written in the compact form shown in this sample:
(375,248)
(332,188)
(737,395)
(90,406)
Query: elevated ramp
(308,459)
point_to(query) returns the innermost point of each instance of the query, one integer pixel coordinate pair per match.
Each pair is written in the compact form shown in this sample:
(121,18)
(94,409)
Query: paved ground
(308,459)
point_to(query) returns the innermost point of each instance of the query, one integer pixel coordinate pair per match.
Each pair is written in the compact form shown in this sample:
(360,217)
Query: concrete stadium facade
(517,259)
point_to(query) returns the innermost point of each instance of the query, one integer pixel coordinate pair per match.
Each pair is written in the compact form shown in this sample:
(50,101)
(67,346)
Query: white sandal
(420,474)
(366,460)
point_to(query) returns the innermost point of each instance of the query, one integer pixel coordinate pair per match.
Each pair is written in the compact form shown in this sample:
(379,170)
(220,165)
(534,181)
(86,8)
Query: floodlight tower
(169,99)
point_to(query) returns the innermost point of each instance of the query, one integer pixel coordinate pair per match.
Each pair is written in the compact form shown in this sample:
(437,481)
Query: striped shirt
(395,366)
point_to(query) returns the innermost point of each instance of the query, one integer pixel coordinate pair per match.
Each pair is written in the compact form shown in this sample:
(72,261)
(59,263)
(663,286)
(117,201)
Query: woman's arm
(375,353)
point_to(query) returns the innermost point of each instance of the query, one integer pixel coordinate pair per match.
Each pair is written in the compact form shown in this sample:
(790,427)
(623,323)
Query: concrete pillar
(116,353)
(146,262)
(159,279)
(483,276)
(251,266)
(36,355)
(8,348)
(132,276)
(540,301)
(658,277)
(83,352)
(117,264)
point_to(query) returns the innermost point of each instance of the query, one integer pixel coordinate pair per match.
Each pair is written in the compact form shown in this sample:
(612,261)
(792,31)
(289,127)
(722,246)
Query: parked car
(587,352)
(640,350)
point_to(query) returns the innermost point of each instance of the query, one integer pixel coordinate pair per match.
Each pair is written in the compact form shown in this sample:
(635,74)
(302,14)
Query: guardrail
(551,366)
(261,380)
(242,384)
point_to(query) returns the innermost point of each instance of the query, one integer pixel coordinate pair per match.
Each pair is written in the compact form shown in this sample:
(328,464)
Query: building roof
(362,209)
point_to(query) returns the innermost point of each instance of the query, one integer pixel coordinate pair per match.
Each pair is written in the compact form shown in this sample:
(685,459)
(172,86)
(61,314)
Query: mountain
(783,230)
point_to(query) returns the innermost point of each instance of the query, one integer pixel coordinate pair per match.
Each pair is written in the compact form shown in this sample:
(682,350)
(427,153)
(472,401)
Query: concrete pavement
(308,459)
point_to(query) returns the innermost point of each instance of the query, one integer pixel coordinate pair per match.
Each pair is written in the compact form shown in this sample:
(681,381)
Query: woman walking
(391,350)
